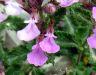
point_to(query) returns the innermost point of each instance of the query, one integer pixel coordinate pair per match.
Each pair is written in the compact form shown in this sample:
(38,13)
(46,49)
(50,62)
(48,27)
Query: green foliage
(71,35)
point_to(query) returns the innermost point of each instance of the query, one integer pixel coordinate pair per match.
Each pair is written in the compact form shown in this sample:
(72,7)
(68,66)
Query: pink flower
(37,56)
(66,3)
(94,13)
(48,44)
(2,17)
(29,33)
(92,39)
(13,8)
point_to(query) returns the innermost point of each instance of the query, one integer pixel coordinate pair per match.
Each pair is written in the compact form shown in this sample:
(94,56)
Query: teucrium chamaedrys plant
(48,44)
(72,34)
(30,32)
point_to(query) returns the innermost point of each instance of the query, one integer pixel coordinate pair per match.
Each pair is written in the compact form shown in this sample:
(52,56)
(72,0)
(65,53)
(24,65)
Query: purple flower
(65,3)
(13,8)
(94,13)
(92,39)
(48,44)
(29,33)
(2,17)
(37,56)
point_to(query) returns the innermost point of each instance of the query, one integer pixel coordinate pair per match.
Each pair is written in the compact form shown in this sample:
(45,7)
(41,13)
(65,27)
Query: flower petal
(65,3)
(94,13)
(92,41)
(2,17)
(29,33)
(13,8)
(37,56)
(48,45)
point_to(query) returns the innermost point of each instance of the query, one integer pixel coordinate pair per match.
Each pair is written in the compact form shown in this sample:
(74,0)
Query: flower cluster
(92,39)
(47,44)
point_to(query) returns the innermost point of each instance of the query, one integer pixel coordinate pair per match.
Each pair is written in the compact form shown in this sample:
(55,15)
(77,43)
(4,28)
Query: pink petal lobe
(48,45)
(92,41)
(13,8)
(37,56)
(2,17)
(94,13)
(29,33)
(65,3)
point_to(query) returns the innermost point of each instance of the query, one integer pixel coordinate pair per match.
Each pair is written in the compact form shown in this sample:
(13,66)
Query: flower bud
(50,8)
